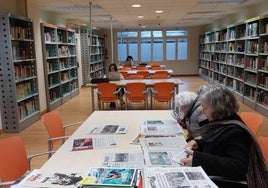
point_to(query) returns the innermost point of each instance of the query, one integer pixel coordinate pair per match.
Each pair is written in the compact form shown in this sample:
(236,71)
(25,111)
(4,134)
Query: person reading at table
(113,68)
(129,61)
(227,147)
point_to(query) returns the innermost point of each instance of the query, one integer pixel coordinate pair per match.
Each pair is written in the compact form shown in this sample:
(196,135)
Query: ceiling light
(206,12)
(222,2)
(136,6)
(139,17)
(159,11)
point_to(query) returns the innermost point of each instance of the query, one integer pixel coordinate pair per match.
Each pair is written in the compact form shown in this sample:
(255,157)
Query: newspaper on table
(163,151)
(136,140)
(108,129)
(168,127)
(97,142)
(123,159)
(170,177)
(39,179)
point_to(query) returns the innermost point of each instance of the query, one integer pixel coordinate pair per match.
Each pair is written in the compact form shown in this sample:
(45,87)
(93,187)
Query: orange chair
(145,74)
(252,120)
(159,76)
(163,92)
(135,76)
(14,162)
(141,67)
(55,128)
(124,74)
(263,142)
(136,92)
(126,68)
(156,68)
(107,93)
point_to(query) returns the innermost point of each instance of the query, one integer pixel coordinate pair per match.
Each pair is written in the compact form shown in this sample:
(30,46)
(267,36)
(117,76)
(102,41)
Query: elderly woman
(190,113)
(227,147)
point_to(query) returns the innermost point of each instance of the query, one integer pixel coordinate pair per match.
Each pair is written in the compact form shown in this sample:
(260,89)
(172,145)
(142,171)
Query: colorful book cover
(111,177)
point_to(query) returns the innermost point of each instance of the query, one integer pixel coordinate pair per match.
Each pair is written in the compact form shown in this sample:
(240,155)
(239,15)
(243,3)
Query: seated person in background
(190,112)
(226,147)
(129,61)
(113,68)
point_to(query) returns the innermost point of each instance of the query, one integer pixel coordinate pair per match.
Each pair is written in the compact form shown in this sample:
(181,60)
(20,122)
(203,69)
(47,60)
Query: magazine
(170,177)
(39,179)
(102,176)
(123,160)
(94,143)
(109,129)
(161,128)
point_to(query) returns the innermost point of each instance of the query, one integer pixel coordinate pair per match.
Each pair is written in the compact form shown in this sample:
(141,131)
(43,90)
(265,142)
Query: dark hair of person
(112,65)
(129,58)
(222,102)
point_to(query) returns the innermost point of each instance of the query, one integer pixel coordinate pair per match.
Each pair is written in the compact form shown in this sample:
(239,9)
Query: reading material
(123,160)
(94,143)
(169,177)
(111,177)
(109,129)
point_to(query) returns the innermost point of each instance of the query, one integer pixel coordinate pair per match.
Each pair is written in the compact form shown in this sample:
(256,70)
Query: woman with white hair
(190,115)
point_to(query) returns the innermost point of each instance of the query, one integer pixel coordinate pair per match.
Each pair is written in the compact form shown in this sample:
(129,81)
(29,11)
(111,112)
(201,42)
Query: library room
(144,94)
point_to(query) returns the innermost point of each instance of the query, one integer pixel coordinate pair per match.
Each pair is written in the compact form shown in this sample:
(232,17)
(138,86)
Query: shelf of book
(60,64)
(93,61)
(237,58)
(19,84)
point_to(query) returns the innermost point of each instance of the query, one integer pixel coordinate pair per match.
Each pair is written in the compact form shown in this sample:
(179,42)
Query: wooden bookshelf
(237,58)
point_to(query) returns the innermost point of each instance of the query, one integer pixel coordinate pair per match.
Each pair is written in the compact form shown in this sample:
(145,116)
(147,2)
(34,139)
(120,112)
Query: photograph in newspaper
(109,129)
(170,177)
(123,159)
(93,143)
(161,128)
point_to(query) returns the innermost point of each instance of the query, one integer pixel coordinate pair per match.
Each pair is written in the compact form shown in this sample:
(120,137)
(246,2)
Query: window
(153,45)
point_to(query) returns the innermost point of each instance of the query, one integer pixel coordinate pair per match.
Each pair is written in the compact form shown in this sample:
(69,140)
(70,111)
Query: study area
(51,51)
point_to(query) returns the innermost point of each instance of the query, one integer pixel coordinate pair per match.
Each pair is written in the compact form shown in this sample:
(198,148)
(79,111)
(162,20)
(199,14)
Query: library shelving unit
(237,58)
(19,85)
(92,50)
(60,64)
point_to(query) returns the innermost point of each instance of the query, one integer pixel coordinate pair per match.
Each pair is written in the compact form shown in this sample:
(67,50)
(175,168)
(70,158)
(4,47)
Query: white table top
(170,71)
(67,161)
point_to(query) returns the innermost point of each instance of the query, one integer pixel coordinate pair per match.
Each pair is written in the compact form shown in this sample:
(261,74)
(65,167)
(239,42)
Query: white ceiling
(176,13)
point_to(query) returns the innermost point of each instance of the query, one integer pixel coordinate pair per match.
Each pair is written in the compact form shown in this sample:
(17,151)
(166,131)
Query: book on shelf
(111,177)
(108,129)
(37,178)
(123,160)
(94,143)
(170,177)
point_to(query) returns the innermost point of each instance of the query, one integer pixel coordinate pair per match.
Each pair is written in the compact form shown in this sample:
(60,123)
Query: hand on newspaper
(188,161)
(192,144)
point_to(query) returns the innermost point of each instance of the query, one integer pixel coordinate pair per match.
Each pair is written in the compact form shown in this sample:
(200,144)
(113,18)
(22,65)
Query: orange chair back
(107,92)
(54,125)
(135,76)
(156,68)
(252,120)
(13,159)
(159,76)
(135,91)
(140,67)
(263,142)
(126,68)
(124,74)
(164,91)
(145,74)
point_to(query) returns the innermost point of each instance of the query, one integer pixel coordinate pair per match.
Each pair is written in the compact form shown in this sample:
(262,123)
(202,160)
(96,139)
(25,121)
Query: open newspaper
(94,143)
(108,129)
(168,127)
(123,160)
(170,177)
(163,151)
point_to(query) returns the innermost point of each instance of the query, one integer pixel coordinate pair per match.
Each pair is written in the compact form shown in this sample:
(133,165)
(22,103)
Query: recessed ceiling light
(140,17)
(222,2)
(143,26)
(159,11)
(136,6)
